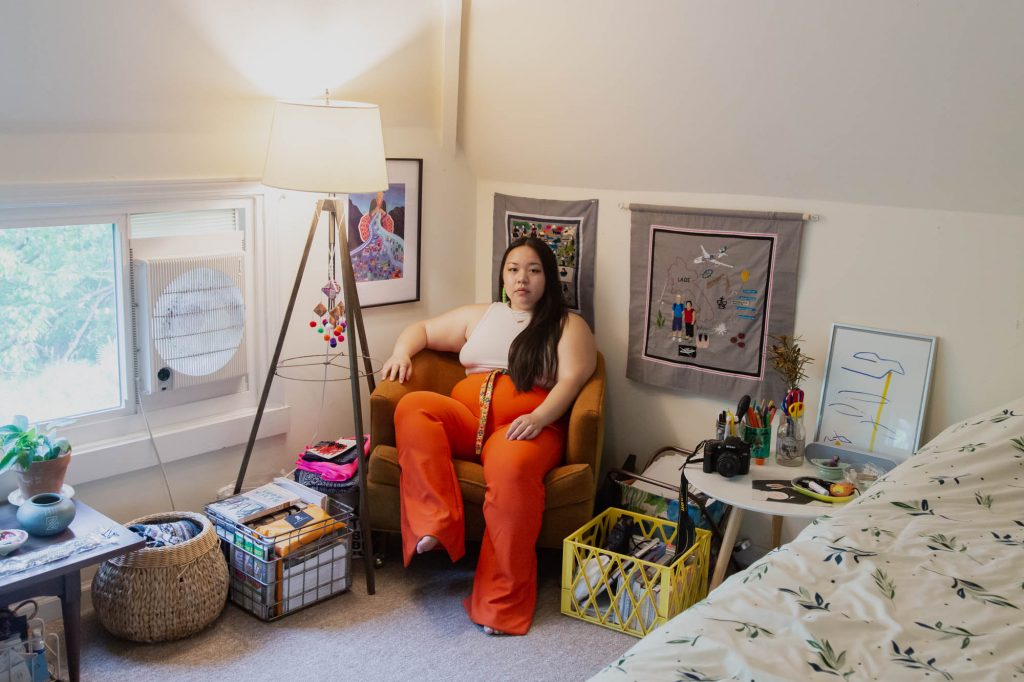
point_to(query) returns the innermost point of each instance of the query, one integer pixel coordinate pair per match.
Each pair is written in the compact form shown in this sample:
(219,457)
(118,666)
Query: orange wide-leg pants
(430,430)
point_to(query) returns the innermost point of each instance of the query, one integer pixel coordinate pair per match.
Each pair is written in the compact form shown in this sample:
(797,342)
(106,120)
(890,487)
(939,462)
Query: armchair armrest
(586,422)
(431,371)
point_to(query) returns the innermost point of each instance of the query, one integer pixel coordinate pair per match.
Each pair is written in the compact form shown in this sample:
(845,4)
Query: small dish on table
(830,469)
(805,486)
(11,539)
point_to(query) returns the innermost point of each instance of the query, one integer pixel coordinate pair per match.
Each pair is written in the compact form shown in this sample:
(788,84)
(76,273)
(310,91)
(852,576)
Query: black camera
(729,457)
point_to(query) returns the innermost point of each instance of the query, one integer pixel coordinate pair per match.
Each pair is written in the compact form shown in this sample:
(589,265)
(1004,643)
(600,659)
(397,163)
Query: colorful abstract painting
(383,237)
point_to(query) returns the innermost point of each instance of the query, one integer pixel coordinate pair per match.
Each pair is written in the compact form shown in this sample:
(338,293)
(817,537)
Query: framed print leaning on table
(384,237)
(876,390)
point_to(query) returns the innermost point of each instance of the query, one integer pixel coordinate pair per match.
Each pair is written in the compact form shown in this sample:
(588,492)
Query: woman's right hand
(397,368)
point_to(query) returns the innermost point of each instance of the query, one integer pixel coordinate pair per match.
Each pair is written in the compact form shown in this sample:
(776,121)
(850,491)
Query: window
(59,324)
(90,331)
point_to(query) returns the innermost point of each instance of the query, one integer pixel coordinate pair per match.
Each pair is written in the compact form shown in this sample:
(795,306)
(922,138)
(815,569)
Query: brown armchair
(569,487)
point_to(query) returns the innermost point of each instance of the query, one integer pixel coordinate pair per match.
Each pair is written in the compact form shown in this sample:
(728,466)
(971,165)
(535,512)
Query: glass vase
(789,443)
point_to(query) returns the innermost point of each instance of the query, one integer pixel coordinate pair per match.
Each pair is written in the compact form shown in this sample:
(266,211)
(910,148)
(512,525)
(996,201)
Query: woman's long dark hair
(533,356)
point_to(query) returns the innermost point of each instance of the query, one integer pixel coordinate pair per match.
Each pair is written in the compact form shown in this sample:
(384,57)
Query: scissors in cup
(796,410)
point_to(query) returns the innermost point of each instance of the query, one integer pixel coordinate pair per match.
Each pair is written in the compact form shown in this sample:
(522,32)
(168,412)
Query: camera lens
(728,465)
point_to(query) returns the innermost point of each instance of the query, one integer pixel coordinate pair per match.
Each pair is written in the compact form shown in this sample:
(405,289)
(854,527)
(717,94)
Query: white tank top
(487,347)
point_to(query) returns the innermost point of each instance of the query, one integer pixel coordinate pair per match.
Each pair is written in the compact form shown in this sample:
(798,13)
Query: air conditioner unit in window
(190,319)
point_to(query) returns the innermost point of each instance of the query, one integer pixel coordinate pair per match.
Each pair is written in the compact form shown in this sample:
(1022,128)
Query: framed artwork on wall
(384,237)
(875,390)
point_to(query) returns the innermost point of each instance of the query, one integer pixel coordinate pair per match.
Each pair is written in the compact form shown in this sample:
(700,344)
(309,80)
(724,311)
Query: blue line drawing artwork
(864,397)
(854,412)
(745,307)
(750,291)
(894,366)
(748,317)
(876,382)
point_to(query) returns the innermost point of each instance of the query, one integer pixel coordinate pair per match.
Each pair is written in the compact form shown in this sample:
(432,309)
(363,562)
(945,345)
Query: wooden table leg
(776,531)
(70,605)
(732,529)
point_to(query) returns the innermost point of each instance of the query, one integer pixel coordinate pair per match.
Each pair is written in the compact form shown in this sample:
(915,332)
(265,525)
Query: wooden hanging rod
(810,217)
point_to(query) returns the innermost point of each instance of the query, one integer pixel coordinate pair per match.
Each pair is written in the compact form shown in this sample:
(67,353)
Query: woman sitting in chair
(526,359)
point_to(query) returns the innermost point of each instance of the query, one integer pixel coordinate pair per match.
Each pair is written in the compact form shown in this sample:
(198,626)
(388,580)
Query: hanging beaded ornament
(331,323)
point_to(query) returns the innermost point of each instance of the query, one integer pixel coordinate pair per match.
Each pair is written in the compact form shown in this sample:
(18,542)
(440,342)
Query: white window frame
(117,441)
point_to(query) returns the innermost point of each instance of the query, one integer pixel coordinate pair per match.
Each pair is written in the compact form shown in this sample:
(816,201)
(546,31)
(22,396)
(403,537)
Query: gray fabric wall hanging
(706,290)
(568,227)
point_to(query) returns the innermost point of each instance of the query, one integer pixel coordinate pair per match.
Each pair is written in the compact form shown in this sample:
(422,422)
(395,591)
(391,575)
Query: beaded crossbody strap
(486,391)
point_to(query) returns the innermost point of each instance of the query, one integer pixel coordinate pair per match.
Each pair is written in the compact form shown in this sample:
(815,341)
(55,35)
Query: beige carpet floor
(413,628)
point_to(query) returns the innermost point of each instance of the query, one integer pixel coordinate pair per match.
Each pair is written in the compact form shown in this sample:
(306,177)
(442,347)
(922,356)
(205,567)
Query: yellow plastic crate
(624,593)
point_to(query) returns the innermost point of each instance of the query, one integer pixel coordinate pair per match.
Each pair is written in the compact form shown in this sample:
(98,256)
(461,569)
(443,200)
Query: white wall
(892,102)
(957,276)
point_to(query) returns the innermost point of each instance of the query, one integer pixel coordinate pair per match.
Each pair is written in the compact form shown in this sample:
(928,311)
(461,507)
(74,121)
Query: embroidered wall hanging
(568,227)
(707,290)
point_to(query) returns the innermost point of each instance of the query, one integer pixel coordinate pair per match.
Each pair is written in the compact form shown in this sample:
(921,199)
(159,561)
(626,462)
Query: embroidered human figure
(677,319)
(689,318)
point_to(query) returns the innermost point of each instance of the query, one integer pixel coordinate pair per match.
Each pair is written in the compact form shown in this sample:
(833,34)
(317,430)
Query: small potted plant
(39,456)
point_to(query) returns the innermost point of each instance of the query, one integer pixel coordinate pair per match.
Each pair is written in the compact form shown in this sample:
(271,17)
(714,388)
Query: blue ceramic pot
(46,514)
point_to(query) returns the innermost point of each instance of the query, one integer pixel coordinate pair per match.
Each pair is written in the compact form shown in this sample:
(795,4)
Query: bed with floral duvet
(921,578)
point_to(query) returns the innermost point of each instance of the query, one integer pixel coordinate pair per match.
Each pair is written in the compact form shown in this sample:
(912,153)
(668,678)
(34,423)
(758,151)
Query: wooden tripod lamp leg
(354,329)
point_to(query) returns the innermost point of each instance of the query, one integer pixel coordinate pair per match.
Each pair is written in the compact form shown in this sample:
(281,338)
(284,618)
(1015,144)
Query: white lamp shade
(326,147)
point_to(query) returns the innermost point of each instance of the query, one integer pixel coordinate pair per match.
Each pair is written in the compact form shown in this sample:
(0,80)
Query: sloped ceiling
(123,66)
(888,102)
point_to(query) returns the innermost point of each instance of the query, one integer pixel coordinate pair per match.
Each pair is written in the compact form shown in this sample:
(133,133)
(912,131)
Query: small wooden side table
(63,579)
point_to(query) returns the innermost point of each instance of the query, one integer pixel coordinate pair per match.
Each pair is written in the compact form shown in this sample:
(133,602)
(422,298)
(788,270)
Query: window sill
(116,456)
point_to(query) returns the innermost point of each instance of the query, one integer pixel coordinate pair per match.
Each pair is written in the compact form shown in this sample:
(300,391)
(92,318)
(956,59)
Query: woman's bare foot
(426,543)
(488,630)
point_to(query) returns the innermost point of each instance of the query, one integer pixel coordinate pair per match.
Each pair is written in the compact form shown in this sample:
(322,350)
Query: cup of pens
(759,438)
(757,430)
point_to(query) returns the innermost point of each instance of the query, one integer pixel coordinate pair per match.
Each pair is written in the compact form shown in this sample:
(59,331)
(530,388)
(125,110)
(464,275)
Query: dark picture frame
(384,242)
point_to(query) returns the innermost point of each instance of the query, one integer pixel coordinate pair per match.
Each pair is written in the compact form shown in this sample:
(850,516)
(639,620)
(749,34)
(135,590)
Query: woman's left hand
(524,427)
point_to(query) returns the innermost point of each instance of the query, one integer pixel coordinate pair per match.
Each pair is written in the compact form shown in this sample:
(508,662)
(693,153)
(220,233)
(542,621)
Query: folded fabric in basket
(314,481)
(164,534)
(291,533)
(328,471)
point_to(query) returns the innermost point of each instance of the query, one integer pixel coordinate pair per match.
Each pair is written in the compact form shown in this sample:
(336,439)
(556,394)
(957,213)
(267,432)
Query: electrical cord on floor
(156,450)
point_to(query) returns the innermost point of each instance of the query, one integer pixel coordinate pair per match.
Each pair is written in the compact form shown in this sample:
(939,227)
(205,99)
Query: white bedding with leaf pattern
(922,578)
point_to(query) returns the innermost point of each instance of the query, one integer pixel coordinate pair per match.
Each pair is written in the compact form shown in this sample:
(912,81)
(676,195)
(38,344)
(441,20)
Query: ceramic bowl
(830,473)
(11,539)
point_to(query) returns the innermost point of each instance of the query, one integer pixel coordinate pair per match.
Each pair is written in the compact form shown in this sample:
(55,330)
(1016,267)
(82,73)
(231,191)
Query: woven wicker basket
(162,593)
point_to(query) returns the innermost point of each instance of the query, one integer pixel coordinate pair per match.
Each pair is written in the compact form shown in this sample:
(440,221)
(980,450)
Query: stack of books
(254,503)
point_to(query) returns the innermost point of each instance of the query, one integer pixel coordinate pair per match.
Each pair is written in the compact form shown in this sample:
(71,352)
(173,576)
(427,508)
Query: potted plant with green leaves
(35,451)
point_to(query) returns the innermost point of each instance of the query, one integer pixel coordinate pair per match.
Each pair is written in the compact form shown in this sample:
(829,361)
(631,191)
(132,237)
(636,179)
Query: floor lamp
(333,148)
